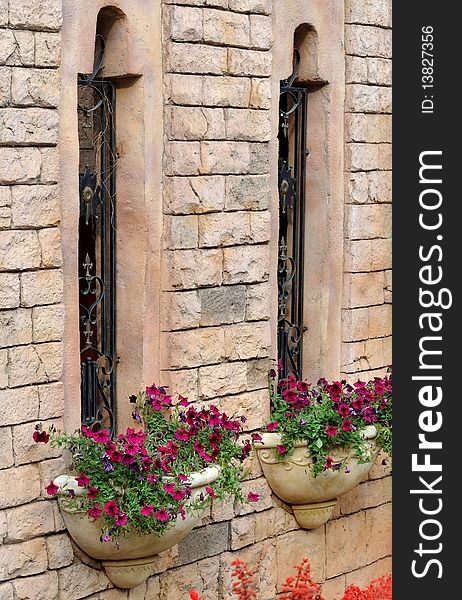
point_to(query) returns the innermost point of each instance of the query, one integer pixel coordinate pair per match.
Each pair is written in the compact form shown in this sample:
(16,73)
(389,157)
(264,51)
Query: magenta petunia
(82,480)
(347,425)
(111,509)
(281,448)
(162,515)
(272,426)
(40,436)
(210,492)
(251,497)
(95,511)
(51,489)
(91,493)
(328,463)
(147,510)
(121,520)
(101,436)
(331,430)
(344,410)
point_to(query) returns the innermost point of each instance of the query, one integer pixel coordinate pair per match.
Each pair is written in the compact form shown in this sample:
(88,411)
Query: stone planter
(130,561)
(312,499)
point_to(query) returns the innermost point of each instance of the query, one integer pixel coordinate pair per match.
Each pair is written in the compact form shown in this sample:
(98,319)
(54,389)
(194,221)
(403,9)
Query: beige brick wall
(216,333)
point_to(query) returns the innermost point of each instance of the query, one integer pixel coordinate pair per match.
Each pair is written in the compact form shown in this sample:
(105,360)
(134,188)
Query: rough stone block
(186,24)
(226,28)
(368,255)
(6,448)
(203,542)
(3,368)
(346,543)
(196,59)
(51,397)
(180,310)
(224,229)
(222,305)
(50,165)
(247,340)
(201,576)
(43,16)
(261,32)
(34,364)
(196,123)
(182,158)
(225,157)
(181,232)
(368,157)
(19,250)
(185,195)
(15,327)
(20,560)
(379,71)
(78,581)
(25,448)
(39,587)
(47,49)
(60,552)
(194,348)
(184,89)
(193,268)
(247,193)
(41,287)
(30,520)
(248,125)
(368,221)
(28,126)
(246,264)
(50,243)
(249,62)
(366,495)
(222,379)
(252,6)
(5,86)
(48,323)
(363,289)
(19,485)
(368,12)
(378,532)
(260,94)
(17,48)
(226,91)
(295,544)
(184,382)
(368,41)
(368,128)
(35,87)
(242,532)
(35,206)
(20,165)
(19,405)
(368,99)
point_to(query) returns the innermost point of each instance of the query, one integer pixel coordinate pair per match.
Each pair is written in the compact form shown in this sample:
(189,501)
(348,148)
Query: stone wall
(216,340)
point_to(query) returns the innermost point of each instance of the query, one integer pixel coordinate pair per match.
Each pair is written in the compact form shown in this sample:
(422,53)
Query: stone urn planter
(312,499)
(130,560)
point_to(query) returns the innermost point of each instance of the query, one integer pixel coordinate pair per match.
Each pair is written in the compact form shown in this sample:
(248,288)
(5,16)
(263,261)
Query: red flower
(51,489)
(178,494)
(281,448)
(101,436)
(210,492)
(111,509)
(183,401)
(193,595)
(40,436)
(329,462)
(95,511)
(152,478)
(82,480)
(272,426)
(162,515)
(251,497)
(147,510)
(347,425)
(91,493)
(344,410)
(121,520)
(331,430)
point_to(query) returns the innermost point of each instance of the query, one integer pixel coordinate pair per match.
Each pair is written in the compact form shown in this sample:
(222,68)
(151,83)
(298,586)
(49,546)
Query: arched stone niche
(316,29)
(133,62)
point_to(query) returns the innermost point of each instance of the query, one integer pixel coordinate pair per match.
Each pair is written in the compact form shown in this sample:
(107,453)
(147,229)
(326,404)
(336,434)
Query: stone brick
(368,99)
(271,522)
(196,59)
(226,28)
(181,232)
(261,32)
(366,495)
(368,221)
(226,91)
(50,243)
(379,71)
(196,123)
(247,340)
(363,577)
(378,532)
(19,485)
(40,587)
(78,581)
(257,373)
(292,547)
(193,268)
(15,327)
(222,305)
(242,532)
(47,49)
(186,24)
(25,448)
(182,158)
(247,193)
(225,157)
(50,165)
(20,560)
(260,95)
(368,255)
(48,470)
(388,286)
(51,397)
(184,382)
(363,323)
(378,352)
(363,289)
(224,229)
(17,48)
(203,542)
(3,368)
(368,12)
(7,591)
(245,264)
(35,87)
(381,467)
(19,250)
(30,520)
(19,405)
(180,310)
(368,41)
(35,206)
(195,347)
(48,323)
(379,186)
(260,226)
(201,576)
(60,552)
(368,157)
(334,588)
(6,448)
(244,405)
(5,86)
(368,128)
(253,6)
(249,62)
(258,304)
(41,287)
(34,364)
(248,125)
(20,165)
(222,379)
(256,486)
(184,89)
(346,542)
(194,195)
(45,15)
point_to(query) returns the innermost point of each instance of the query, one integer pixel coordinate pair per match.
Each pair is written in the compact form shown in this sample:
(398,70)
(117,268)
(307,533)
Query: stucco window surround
(133,63)
(316,28)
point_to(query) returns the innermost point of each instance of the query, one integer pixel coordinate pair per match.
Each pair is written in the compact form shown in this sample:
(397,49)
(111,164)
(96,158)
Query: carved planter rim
(131,560)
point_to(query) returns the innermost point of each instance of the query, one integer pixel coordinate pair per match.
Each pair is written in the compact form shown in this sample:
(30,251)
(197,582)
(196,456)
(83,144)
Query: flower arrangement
(301,586)
(330,415)
(139,482)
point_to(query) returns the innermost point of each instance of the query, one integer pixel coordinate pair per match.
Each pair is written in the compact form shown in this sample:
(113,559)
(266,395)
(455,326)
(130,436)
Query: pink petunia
(91,493)
(210,492)
(40,436)
(331,430)
(251,497)
(95,511)
(272,426)
(82,480)
(51,489)
(328,463)
(121,520)
(162,515)
(281,448)
(152,478)
(347,425)
(111,509)
(147,510)
(101,436)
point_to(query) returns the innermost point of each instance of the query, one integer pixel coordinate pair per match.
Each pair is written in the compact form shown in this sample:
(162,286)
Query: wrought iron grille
(97,247)
(293,110)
